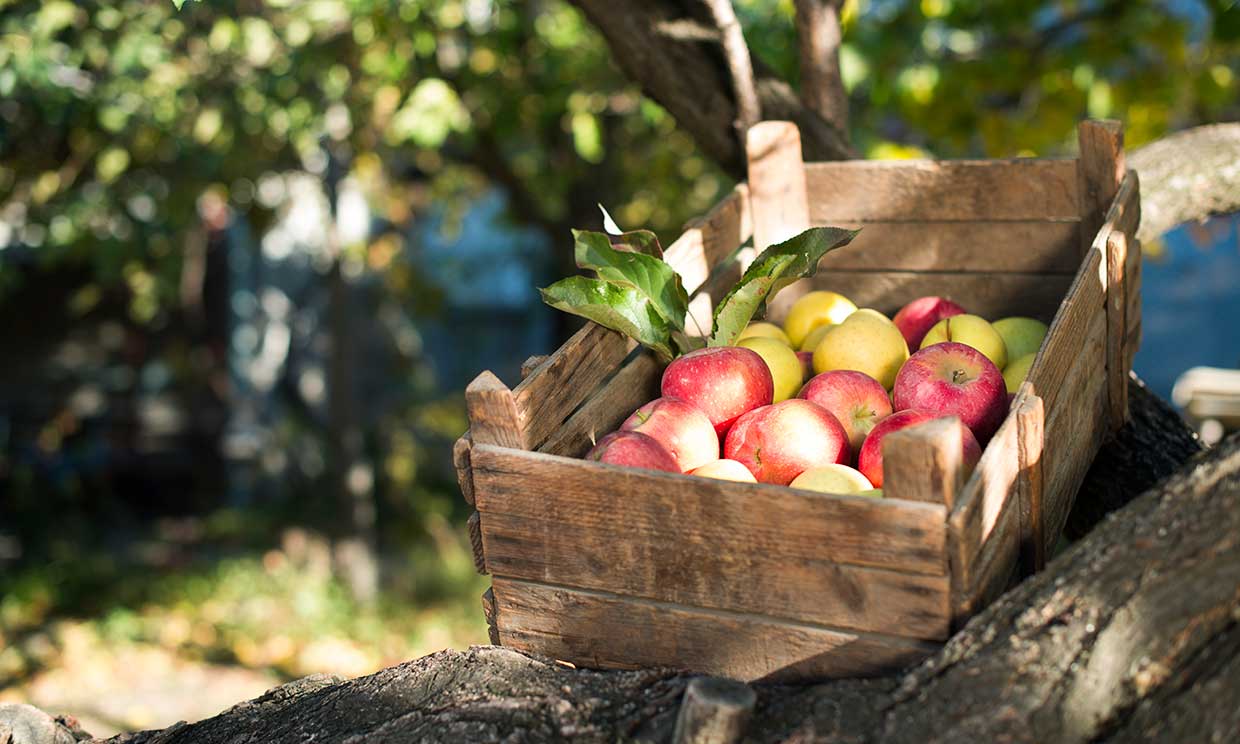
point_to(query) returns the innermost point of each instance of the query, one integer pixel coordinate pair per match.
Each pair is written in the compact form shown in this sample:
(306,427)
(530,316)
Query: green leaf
(776,267)
(179,3)
(619,307)
(646,273)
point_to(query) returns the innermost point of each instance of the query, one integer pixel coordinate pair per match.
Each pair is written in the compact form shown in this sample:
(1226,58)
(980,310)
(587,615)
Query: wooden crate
(612,567)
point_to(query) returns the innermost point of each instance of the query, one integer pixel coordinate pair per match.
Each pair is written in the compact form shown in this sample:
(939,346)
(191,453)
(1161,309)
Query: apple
(779,442)
(856,400)
(722,381)
(920,315)
(952,379)
(864,345)
(869,313)
(814,309)
(1021,336)
(632,449)
(781,360)
(725,470)
(807,364)
(683,430)
(814,337)
(874,493)
(972,331)
(765,330)
(1016,372)
(834,478)
(870,458)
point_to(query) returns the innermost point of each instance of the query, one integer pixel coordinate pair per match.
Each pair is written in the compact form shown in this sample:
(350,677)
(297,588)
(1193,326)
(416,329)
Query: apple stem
(958,375)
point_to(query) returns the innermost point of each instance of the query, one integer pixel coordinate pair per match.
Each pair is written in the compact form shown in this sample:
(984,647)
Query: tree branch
(1188,176)
(818,40)
(736,54)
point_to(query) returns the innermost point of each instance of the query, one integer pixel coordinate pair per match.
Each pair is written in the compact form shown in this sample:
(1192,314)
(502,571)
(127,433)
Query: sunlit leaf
(634,262)
(618,307)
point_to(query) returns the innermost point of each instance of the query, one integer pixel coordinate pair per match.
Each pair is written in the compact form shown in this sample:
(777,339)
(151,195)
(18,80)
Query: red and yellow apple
(725,470)
(856,400)
(920,315)
(683,430)
(721,381)
(634,450)
(779,442)
(952,379)
(870,458)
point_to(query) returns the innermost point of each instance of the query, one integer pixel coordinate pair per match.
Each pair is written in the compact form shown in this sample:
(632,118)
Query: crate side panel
(866,190)
(599,630)
(673,566)
(787,523)
(635,384)
(1082,306)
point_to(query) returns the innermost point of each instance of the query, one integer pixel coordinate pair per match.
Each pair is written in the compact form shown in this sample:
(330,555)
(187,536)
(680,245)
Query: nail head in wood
(714,711)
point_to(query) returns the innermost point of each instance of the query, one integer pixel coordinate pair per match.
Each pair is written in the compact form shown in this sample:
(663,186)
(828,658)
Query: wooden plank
(474,526)
(674,565)
(993,568)
(460,461)
(1100,169)
(707,241)
(875,190)
(925,462)
(567,377)
(777,194)
(532,363)
(1114,239)
(488,611)
(1132,312)
(601,630)
(784,522)
(1029,246)
(1030,421)
(1083,304)
(991,295)
(635,384)
(492,409)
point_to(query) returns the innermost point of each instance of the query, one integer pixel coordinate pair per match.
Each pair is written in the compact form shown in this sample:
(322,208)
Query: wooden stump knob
(714,711)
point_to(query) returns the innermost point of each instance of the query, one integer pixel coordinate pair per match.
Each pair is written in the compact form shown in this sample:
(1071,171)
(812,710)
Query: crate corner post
(778,195)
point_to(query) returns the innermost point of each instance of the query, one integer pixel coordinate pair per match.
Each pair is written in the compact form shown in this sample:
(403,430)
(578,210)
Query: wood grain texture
(1100,168)
(532,363)
(602,630)
(993,567)
(489,613)
(1119,232)
(707,241)
(1030,423)
(786,523)
(460,461)
(1132,307)
(777,194)
(1083,303)
(872,190)
(567,377)
(635,384)
(493,416)
(925,462)
(1027,246)
(473,526)
(677,565)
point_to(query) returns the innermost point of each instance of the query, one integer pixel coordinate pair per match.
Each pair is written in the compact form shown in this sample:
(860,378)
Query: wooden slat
(1113,240)
(1030,422)
(532,363)
(1099,172)
(674,565)
(1082,306)
(925,462)
(777,194)
(460,461)
(991,295)
(601,630)
(474,526)
(1029,246)
(493,417)
(488,611)
(874,190)
(993,566)
(1132,311)
(784,522)
(707,241)
(636,383)
(567,377)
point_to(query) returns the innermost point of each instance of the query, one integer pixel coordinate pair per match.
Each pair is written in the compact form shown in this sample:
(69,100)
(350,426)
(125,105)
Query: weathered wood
(876,190)
(490,614)
(925,462)
(493,414)
(532,363)
(474,526)
(707,241)
(1100,168)
(1082,305)
(989,294)
(1113,241)
(677,565)
(1030,421)
(993,566)
(714,711)
(789,523)
(777,194)
(635,384)
(602,630)
(1132,307)
(460,461)
(1026,246)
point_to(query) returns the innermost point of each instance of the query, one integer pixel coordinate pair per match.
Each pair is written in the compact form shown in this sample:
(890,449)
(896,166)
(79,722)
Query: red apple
(777,443)
(870,458)
(722,381)
(857,400)
(920,315)
(632,449)
(683,430)
(951,379)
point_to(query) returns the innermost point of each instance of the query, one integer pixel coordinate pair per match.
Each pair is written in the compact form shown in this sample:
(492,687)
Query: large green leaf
(649,275)
(775,268)
(619,307)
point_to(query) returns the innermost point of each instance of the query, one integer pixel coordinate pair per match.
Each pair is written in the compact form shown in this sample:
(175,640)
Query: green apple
(969,330)
(1016,372)
(1021,336)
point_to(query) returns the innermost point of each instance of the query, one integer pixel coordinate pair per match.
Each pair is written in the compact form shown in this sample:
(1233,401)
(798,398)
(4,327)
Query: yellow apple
(877,349)
(833,479)
(725,470)
(786,370)
(1016,372)
(815,309)
(1021,336)
(869,313)
(813,337)
(765,330)
(969,330)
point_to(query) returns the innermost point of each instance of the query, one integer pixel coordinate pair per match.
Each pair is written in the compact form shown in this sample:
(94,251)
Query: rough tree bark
(1188,176)
(818,44)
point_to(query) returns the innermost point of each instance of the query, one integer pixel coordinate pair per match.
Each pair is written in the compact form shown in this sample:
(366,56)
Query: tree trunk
(1188,176)
(1130,635)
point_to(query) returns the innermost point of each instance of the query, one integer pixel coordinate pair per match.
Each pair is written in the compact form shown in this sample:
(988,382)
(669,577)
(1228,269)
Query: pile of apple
(808,405)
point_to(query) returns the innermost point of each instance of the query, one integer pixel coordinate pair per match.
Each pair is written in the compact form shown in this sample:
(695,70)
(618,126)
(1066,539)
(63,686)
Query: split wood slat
(1132,311)
(1100,168)
(777,194)
(460,461)
(636,384)
(566,378)
(873,190)
(676,565)
(493,417)
(925,462)
(1083,303)
(1030,421)
(1028,246)
(474,526)
(783,522)
(532,363)
(993,566)
(1117,233)
(489,612)
(709,240)
(603,630)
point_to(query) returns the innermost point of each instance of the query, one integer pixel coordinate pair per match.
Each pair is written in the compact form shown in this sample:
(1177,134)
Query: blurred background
(252,252)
